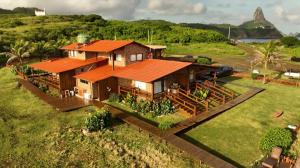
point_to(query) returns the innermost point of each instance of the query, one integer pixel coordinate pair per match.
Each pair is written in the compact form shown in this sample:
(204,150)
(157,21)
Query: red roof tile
(145,71)
(150,70)
(64,64)
(99,45)
(97,74)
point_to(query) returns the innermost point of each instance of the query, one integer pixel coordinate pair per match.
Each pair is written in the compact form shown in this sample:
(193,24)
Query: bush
(113,97)
(254,76)
(279,137)
(165,125)
(129,99)
(289,41)
(99,121)
(204,60)
(166,107)
(144,106)
(295,59)
(201,93)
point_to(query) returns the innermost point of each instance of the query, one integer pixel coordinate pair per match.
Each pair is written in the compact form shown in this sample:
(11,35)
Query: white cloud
(287,15)
(175,7)
(121,9)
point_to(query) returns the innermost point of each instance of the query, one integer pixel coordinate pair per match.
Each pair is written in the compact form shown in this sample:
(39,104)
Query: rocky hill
(18,10)
(259,28)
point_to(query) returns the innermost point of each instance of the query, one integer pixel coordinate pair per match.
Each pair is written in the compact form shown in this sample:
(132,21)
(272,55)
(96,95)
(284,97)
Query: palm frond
(13,60)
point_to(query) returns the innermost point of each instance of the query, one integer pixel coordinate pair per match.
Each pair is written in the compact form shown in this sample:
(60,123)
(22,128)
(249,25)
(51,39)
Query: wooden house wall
(106,87)
(67,82)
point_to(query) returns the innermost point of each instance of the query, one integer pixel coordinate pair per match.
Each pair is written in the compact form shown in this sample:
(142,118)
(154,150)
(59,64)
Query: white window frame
(133,57)
(141,85)
(139,57)
(119,57)
(157,87)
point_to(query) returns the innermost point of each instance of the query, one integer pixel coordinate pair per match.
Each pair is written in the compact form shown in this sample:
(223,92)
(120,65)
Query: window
(157,87)
(140,57)
(119,57)
(133,57)
(140,85)
(84,81)
(73,53)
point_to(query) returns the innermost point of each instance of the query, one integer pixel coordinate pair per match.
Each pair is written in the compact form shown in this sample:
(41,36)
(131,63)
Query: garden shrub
(201,93)
(113,97)
(166,107)
(129,99)
(254,76)
(165,125)
(144,106)
(99,120)
(279,137)
(204,60)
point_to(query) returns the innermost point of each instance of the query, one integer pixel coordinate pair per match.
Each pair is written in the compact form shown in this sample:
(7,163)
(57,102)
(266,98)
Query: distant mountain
(259,28)
(19,10)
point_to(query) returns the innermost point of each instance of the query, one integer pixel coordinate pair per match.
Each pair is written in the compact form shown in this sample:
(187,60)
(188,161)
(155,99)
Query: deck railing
(135,92)
(194,98)
(47,80)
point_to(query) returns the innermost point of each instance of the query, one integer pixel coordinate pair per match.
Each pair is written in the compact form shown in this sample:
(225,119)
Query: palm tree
(42,49)
(267,55)
(18,52)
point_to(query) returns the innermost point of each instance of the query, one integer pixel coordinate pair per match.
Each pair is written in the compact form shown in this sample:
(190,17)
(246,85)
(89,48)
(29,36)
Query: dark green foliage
(129,100)
(254,76)
(165,125)
(289,41)
(144,106)
(166,107)
(113,97)
(204,60)
(279,137)
(201,93)
(99,120)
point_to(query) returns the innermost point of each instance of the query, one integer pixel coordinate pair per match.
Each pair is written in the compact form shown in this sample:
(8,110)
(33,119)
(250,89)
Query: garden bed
(148,117)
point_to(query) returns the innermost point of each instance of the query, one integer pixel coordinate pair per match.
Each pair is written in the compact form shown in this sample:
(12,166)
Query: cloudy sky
(285,14)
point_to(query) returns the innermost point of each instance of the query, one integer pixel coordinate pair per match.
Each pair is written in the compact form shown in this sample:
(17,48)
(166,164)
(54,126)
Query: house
(39,12)
(96,69)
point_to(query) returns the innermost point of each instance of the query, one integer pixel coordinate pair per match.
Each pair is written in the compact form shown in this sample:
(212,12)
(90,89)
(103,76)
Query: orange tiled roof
(98,74)
(99,45)
(145,71)
(64,64)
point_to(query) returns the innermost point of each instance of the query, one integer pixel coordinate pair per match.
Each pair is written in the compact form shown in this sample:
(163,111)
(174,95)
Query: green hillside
(58,27)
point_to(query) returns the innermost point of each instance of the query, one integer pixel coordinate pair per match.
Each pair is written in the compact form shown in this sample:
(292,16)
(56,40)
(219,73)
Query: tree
(18,52)
(41,49)
(267,55)
(289,41)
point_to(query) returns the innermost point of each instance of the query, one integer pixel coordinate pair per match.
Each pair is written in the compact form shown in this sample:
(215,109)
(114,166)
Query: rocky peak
(259,15)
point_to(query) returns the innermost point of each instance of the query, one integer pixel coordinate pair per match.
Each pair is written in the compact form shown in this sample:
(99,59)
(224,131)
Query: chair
(67,93)
(297,163)
(273,159)
(286,162)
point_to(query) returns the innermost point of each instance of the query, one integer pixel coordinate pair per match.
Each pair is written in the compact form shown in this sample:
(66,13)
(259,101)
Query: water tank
(83,38)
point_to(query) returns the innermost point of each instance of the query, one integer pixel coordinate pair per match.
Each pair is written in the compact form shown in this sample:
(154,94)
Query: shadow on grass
(210,150)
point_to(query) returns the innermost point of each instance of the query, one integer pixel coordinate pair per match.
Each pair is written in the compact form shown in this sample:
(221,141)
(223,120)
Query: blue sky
(284,14)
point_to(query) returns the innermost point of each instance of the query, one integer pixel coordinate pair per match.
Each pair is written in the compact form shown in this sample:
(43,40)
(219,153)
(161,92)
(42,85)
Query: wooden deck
(60,104)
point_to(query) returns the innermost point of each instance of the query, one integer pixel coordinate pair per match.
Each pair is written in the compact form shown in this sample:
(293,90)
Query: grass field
(33,134)
(206,49)
(237,132)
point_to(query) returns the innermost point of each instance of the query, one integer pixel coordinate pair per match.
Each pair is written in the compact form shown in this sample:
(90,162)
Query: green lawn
(174,118)
(237,132)
(206,49)
(33,134)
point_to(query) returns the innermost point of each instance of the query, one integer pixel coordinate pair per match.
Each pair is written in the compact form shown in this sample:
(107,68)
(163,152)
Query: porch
(135,91)
(46,79)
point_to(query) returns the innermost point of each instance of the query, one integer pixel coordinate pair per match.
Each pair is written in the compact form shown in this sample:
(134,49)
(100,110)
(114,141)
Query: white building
(40,12)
